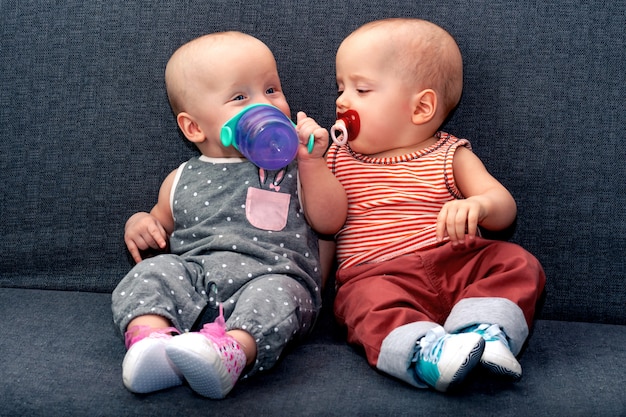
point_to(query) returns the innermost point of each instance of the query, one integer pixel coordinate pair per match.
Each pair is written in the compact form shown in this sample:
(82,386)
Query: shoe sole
(470,357)
(201,365)
(500,361)
(501,371)
(147,368)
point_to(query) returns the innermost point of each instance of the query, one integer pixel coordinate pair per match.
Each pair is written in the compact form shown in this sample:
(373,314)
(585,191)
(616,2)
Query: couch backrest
(86,134)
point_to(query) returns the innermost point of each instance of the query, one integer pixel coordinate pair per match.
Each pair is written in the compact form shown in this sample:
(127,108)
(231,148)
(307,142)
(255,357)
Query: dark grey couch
(86,137)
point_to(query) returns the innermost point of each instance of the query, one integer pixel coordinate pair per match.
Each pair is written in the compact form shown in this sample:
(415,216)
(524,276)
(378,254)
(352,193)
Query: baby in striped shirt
(418,288)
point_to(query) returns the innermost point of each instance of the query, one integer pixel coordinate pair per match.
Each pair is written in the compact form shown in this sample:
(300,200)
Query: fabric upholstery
(87,136)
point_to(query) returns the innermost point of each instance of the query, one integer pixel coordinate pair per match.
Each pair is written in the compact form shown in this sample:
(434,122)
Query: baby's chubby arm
(487,202)
(151,230)
(324,199)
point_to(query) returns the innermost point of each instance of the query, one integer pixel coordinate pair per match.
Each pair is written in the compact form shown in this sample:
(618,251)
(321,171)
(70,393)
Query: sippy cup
(264,135)
(349,125)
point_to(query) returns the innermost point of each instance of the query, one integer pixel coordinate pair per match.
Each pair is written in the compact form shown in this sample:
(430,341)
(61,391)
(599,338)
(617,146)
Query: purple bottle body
(266,137)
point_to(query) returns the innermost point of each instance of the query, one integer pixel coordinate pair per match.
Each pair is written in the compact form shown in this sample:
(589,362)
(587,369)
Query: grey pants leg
(276,310)
(164,285)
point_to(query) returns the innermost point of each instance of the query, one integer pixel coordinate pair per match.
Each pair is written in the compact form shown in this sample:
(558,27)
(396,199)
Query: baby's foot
(210,359)
(444,359)
(497,357)
(146,367)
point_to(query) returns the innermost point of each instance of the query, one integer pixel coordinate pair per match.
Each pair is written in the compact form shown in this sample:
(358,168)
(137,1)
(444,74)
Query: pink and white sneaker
(146,367)
(210,360)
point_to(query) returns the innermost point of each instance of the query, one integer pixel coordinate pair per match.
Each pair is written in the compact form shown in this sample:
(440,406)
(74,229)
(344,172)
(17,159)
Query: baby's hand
(305,127)
(459,219)
(142,232)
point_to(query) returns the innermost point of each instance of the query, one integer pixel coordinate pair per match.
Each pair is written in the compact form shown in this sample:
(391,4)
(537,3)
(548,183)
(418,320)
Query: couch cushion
(61,355)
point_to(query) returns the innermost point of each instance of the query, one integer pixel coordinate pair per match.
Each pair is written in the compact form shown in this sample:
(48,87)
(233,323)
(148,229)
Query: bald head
(421,52)
(204,60)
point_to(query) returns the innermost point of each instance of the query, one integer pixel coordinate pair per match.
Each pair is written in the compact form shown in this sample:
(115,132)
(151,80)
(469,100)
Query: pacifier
(264,135)
(349,125)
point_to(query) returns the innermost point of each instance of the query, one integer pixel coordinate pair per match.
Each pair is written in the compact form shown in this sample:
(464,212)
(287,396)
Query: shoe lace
(217,329)
(431,345)
(490,332)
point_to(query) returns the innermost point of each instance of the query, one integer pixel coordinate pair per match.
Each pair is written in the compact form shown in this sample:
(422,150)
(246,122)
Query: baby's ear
(424,106)
(190,128)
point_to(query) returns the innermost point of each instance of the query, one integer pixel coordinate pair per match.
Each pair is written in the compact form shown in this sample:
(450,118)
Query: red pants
(374,299)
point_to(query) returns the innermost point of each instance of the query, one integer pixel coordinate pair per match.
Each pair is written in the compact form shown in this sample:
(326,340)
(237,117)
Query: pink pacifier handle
(349,125)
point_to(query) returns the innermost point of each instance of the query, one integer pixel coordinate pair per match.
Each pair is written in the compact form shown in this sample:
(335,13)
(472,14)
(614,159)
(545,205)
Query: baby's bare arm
(487,202)
(151,230)
(324,199)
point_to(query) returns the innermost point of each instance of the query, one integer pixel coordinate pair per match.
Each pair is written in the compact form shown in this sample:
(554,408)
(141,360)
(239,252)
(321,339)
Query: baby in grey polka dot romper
(237,241)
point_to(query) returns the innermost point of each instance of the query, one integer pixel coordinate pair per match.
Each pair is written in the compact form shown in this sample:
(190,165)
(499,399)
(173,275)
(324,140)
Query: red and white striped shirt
(393,203)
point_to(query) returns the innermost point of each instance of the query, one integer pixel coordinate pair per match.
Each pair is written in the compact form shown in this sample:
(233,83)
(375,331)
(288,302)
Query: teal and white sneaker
(443,360)
(497,357)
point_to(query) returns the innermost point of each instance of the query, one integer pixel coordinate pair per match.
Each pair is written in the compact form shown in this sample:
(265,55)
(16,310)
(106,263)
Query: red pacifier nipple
(348,124)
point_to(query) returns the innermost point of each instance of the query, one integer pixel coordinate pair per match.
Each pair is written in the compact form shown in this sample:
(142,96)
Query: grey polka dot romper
(240,239)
